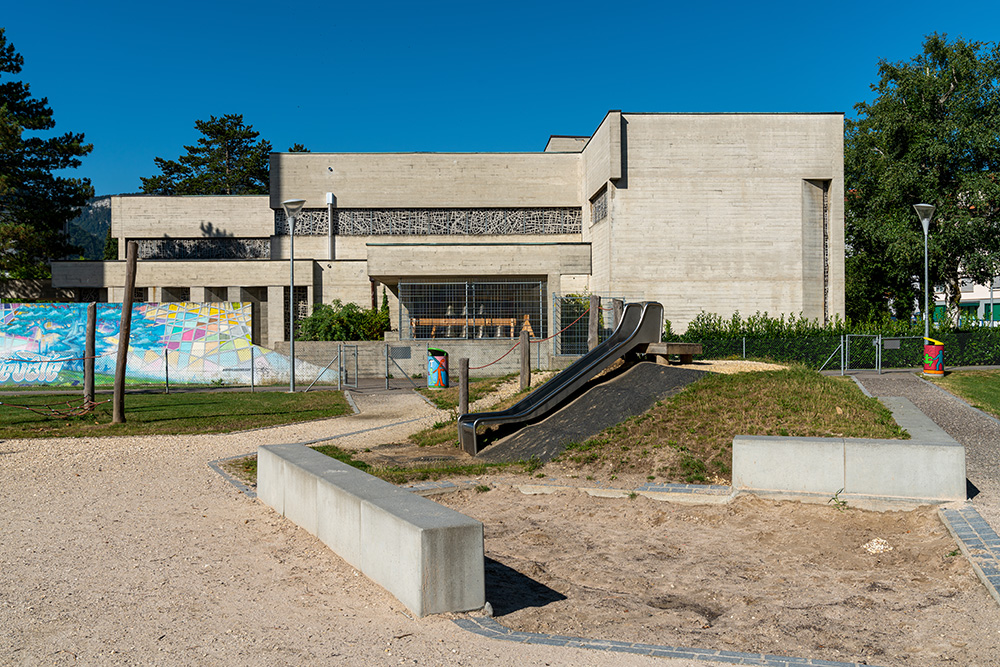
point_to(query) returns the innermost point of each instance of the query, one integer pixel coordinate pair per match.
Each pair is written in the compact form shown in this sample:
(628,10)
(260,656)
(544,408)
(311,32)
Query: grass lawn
(167,414)
(981,389)
(688,437)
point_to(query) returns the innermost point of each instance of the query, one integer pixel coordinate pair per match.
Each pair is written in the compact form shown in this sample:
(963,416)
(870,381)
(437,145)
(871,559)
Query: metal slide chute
(641,324)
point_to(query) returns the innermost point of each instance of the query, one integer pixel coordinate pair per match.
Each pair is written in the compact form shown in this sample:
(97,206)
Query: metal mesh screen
(573,325)
(472,310)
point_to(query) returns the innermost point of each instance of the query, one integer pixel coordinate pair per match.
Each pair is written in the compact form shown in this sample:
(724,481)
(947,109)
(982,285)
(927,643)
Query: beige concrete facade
(702,212)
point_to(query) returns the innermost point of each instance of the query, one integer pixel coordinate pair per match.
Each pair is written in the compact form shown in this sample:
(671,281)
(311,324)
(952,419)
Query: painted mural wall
(44,343)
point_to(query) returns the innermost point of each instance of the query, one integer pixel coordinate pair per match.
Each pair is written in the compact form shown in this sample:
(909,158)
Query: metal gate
(861,352)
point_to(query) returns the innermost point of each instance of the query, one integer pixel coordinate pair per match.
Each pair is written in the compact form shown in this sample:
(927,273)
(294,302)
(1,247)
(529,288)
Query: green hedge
(796,339)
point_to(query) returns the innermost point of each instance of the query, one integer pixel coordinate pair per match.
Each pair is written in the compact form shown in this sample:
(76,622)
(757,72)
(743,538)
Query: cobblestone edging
(979,543)
(487,627)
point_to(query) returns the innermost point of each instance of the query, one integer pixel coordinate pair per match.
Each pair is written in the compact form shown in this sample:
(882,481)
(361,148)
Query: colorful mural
(44,343)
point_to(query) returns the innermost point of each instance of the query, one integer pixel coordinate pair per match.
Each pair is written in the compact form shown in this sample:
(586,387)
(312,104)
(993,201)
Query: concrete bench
(429,556)
(927,468)
(685,351)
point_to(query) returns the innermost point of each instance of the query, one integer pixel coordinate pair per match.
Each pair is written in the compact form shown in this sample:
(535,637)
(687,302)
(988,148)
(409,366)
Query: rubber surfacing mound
(603,402)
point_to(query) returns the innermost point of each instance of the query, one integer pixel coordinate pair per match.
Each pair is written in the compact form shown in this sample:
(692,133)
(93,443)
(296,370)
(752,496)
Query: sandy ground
(754,575)
(131,551)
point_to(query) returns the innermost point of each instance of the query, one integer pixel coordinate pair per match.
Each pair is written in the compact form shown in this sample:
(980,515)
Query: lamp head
(924,212)
(293,206)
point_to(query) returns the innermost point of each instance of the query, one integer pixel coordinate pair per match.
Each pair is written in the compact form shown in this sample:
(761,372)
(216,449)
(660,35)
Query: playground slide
(641,324)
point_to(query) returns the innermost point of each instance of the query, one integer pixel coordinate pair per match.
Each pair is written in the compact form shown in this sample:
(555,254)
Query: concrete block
(788,464)
(905,468)
(427,555)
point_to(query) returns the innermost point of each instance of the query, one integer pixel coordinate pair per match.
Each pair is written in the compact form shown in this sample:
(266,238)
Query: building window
(301,307)
(599,206)
(139,294)
(467,310)
(216,294)
(434,221)
(170,294)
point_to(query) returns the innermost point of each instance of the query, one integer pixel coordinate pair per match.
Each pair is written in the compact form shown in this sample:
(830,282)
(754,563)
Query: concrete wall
(411,356)
(429,556)
(427,180)
(140,216)
(930,467)
(387,262)
(709,214)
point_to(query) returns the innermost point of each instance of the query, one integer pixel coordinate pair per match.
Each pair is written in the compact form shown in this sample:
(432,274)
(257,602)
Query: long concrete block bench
(429,556)
(929,467)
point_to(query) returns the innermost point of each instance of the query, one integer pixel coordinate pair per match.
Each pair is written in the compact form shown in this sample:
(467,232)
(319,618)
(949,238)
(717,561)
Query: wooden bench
(685,351)
(435,322)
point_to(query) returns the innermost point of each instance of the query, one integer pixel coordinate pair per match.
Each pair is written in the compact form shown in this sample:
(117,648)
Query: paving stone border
(979,543)
(487,627)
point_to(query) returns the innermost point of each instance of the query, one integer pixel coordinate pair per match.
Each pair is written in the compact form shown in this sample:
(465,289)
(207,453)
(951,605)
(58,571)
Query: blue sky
(444,76)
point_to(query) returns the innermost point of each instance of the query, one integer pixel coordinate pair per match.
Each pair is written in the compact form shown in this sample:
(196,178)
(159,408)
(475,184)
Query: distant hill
(90,229)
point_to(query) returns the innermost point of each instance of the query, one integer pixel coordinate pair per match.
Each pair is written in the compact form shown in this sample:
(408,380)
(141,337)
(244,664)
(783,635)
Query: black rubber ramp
(599,405)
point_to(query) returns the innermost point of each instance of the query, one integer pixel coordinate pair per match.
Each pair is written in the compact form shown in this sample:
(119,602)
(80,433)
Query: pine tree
(35,204)
(227,160)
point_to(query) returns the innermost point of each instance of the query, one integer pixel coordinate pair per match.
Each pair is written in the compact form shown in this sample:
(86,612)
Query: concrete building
(702,212)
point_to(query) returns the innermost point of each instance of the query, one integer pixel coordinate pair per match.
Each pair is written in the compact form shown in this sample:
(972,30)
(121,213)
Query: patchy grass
(167,414)
(446,432)
(447,399)
(688,437)
(245,469)
(981,389)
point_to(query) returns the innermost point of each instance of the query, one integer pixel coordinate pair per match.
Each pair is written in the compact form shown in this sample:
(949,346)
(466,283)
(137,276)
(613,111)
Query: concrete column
(115,294)
(234,294)
(198,294)
(276,314)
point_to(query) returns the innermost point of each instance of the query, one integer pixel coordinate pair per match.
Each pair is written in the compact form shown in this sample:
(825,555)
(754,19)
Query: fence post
(89,353)
(387,365)
(525,359)
(340,364)
(252,364)
(124,334)
(595,314)
(843,354)
(463,386)
(744,347)
(618,307)
(166,373)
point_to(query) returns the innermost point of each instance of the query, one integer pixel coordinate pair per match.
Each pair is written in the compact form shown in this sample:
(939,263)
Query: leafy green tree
(35,204)
(931,135)
(228,159)
(298,148)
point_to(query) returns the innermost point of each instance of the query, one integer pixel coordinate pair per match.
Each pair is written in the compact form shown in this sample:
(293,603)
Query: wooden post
(124,334)
(595,315)
(89,352)
(463,385)
(525,359)
(619,310)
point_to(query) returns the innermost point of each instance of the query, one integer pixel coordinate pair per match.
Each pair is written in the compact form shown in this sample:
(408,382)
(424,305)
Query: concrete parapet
(429,556)
(930,467)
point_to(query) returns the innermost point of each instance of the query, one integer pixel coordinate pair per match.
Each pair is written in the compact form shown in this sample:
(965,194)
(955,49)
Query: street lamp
(924,212)
(292,208)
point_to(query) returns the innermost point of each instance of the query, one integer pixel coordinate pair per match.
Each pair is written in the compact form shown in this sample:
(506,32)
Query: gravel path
(979,433)
(131,551)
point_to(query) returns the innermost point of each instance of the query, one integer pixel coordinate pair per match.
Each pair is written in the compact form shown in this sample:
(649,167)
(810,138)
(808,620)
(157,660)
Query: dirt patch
(754,575)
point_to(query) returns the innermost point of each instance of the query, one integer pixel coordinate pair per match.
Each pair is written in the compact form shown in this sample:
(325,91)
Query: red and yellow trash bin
(933,357)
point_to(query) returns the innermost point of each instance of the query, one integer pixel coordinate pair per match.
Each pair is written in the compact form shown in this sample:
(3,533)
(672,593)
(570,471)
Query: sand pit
(754,576)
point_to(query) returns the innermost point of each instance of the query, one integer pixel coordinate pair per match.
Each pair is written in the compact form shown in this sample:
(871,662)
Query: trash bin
(933,357)
(437,368)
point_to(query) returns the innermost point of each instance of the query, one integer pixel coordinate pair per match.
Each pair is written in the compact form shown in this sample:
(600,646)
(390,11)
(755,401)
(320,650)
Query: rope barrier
(542,340)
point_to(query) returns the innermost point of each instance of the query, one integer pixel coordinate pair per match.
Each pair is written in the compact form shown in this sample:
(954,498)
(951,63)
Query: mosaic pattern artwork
(423,221)
(44,343)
